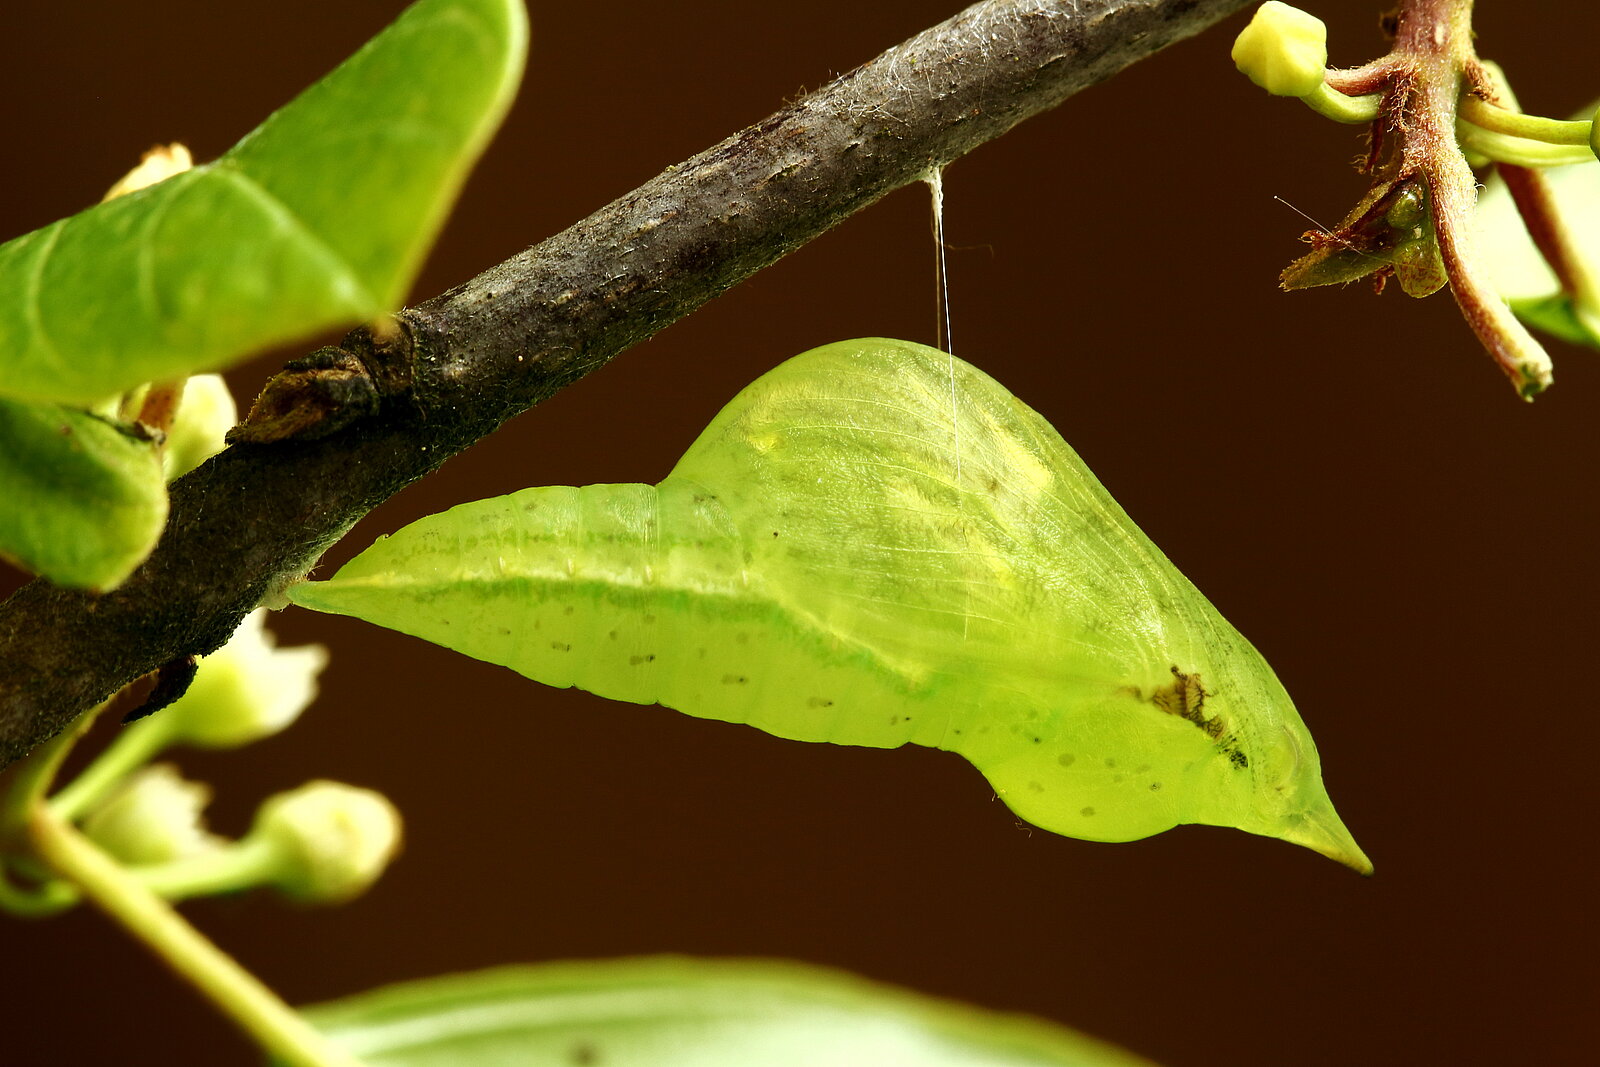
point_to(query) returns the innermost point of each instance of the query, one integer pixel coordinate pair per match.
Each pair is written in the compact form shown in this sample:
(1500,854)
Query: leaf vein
(281,211)
(35,285)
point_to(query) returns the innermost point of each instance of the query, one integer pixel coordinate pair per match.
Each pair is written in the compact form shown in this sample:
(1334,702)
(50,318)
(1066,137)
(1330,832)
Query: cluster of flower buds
(324,842)
(321,842)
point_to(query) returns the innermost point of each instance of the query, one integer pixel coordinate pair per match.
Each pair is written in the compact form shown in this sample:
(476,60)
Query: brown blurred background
(1347,477)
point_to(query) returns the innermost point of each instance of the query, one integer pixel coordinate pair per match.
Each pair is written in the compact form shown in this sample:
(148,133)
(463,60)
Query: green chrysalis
(876,544)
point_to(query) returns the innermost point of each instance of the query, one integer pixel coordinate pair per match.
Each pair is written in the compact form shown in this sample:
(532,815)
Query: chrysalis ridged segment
(632,592)
(875,544)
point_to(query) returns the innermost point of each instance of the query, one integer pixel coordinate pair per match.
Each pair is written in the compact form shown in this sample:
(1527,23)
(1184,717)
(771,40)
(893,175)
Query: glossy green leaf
(1521,274)
(676,1012)
(83,502)
(877,544)
(317,219)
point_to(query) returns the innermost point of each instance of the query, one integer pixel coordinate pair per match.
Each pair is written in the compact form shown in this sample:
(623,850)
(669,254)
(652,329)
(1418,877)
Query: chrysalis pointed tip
(1321,830)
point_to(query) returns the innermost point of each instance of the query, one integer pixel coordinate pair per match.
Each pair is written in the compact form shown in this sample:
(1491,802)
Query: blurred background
(1348,478)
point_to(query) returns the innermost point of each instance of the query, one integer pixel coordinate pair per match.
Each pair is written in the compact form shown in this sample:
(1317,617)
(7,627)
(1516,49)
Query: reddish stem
(1359,81)
(1530,191)
(160,406)
(1434,40)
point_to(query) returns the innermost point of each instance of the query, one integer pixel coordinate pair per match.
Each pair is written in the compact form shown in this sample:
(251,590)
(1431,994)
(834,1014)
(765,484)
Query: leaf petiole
(49,898)
(29,783)
(33,777)
(1521,151)
(1497,119)
(1330,103)
(133,747)
(239,865)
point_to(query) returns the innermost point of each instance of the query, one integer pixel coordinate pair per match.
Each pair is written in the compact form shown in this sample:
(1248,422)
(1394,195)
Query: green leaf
(84,502)
(1556,315)
(319,218)
(677,1012)
(1519,272)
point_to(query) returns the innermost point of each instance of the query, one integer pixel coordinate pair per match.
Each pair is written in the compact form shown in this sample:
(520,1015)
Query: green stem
(132,749)
(1483,114)
(1521,151)
(241,865)
(33,777)
(26,790)
(1331,103)
(254,1007)
(51,898)
(1530,191)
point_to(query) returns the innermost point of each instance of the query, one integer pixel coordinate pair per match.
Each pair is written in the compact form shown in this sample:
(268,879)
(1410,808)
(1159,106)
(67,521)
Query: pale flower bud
(157,165)
(332,840)
(205,414)
(1284,50)
(153,817)
(246,690)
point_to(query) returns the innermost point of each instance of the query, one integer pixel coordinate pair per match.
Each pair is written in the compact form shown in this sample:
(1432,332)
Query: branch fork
(1428,104)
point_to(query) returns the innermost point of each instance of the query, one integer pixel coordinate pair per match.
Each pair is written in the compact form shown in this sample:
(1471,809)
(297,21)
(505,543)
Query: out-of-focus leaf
(1520,273)
(81,502)
(319,218)
(1555,315)
(679,1012)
